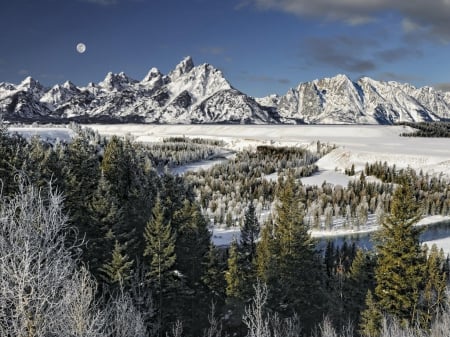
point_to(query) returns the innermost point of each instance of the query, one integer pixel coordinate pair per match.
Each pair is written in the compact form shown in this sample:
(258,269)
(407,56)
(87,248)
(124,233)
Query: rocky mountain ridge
(201,94)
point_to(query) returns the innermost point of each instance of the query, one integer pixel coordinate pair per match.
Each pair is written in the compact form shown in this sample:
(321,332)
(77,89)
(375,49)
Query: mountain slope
(338,100)
(201,94)
(188,94)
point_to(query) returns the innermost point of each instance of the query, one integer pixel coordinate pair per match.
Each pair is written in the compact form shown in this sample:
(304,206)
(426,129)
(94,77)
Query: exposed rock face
(201,94)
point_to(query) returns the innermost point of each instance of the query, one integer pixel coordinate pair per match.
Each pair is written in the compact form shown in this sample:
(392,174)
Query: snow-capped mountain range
(201,94)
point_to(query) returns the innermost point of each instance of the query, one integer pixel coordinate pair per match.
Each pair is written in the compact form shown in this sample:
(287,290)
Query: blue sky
(262,46)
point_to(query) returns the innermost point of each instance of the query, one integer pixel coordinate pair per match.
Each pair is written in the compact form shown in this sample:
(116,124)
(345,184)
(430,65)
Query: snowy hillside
(200,94)
(188,94)
(339,100)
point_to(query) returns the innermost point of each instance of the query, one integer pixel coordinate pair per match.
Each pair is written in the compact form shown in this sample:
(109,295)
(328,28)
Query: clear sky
(262,46)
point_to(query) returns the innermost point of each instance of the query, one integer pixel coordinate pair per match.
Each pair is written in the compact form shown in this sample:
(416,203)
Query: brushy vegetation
(427,129)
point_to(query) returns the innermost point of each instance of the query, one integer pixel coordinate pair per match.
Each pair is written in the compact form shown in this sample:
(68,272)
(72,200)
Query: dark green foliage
(117,272)
(12,155)
(427,129)
(249,233)
(360,279)
(371,318)
(434,297)
(81,172)
(213,277)
(192,242)
(400,266)
(293,273)
(159,255)
(159,248)
(233,274)
(247,252)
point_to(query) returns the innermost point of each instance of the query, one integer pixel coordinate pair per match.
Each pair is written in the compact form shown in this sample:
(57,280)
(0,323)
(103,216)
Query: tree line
(427,129)
(95,241)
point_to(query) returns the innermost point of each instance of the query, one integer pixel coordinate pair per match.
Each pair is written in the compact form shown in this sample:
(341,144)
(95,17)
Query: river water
(438,233)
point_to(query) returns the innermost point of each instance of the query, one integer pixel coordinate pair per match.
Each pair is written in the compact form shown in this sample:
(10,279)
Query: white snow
(51,134)
(224,236)
(357,144)
(329,176)
(443,244)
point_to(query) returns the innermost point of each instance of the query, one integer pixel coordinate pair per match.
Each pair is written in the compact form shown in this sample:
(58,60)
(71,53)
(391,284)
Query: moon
(81,48)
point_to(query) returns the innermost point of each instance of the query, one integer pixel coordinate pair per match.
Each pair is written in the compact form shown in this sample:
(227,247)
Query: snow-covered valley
(356,145)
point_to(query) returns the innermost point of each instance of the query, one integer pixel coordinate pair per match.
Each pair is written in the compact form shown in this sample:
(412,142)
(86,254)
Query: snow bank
(357,144)
(50,134)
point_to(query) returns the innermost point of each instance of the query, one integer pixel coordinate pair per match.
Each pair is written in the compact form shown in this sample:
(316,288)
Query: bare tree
(78,314)
(123,319)
(254,318)
(260,324)
(215,326)
(41,292)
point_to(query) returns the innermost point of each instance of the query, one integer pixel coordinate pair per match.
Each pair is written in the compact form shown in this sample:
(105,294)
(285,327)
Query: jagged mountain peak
(185,66)
(116,81)
(69,85)
(202,94)
(30,82)
(152,74)
(339,78)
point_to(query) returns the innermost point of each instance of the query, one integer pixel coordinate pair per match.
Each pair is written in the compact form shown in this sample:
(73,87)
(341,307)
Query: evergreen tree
(294,273)
(249,233)
(400,266)
(233,274)
(263,252)
(128,187)
(118,271)
(214,273)
(160,250)
(192,242)
(191,249)
(434,297)
(106,217)
(360,280)
(81,174)
(247,251)
(371,318)
(11,158)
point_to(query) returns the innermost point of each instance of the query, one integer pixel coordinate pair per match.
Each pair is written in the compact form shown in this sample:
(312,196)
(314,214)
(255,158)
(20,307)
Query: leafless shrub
(35,264)
(260,324)
(215,326)
(123,319)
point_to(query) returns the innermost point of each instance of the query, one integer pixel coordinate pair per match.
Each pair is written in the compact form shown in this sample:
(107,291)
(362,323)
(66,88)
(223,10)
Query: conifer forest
(99,238)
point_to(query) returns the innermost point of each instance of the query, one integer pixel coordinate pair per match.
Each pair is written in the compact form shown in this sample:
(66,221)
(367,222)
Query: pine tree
(263,252)
(294,274)
(434,297)
(371,318)
(249,233)
(160,246)
(118,271)
(233,274)
(191,249)
(11,158)
(247,251)
(192,242)
(400,266)
(81,174)
(128,186)
(360,280)
(106,220)
(160,250)
(214,273)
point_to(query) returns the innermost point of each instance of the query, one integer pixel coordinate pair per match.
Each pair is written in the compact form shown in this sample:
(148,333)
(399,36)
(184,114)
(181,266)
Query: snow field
(356,144)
